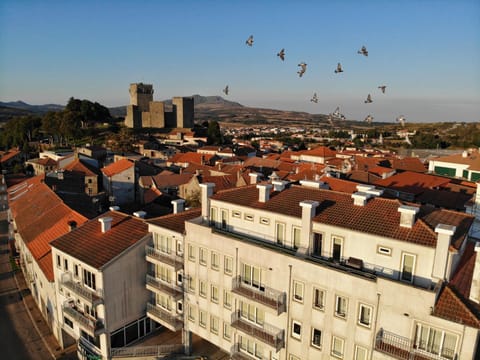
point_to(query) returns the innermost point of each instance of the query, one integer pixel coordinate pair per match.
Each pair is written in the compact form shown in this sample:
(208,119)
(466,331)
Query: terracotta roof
(379,216)
(7,155)
(190,157)
(462,279)
(151,194)
(88,244)
(46,265)
(221,182)
(444,198)
(412,182)
(364,163)
(162,181)
(307,174)
(117,167)
(362,176)
(340,185)
(46,161)
(454,307)
(379,170)
(176,222)
(77,166)
(408,164)
(321,151)
(472,159)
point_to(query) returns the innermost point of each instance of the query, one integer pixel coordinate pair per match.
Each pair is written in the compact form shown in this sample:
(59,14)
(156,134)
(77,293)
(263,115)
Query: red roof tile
(462,279)
(117,167)
(408,164)
(78,166)
(412,182)
(7,155)
(452,306)
(46,265)
(176,222)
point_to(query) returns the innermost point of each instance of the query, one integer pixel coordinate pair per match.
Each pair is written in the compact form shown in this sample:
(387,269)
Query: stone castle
(143,112)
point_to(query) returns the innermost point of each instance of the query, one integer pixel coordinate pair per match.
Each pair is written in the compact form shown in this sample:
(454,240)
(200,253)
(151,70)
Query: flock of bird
(336,115)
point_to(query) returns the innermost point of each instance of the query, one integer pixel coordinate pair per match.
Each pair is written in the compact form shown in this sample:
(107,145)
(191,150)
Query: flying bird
(369,118)
(225,91)
(369,99)
(303,68)
(336,114)
(281,54)
(363,51)
(401,119)
(339,68)
(382,87)
(249,41)
(314,98)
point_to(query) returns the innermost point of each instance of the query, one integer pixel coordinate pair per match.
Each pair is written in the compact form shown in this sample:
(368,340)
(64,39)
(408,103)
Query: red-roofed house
(119,182)
(318,155)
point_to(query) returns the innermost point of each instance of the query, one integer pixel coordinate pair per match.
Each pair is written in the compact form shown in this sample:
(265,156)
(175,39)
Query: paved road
(18,338)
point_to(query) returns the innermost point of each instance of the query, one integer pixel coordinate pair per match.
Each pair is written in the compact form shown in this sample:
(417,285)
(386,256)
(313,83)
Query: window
(316,338)
(297,291)
(318,299)
(202,315)
(251,275)
(164,302)
(227,299)
(65,264)
(360,353)
(384,250)
(68,322)
(214,324)
(215,260)
(179,248)
(213,215)
(191,252)
(296,237)
(236,214)
(164,273)
(341,306)
(191,285)
(59,261)
(248,217)
(191,313)
(264,221)
(224,218)
(164,243)
(89,279)
(337,248)
(252,313)
(408,265)
(202,256)
(337,347)
(365,315)
(214,293)
(251,347)
(227,331)
(228,265)
(75,270)
(202,288)
(296,329)
(436,341)
(280,233)
(293,357)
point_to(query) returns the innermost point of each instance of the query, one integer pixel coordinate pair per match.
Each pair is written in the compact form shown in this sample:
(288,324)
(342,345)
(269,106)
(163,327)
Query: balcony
(266,333)
(155,255)
(172,289)
(272,298)
(86,350)
(93,297)
(171,322)
(92,326)
(237,354)
(400,347)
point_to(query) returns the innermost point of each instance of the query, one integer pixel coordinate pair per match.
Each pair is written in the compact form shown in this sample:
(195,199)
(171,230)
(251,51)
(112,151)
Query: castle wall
(183,109)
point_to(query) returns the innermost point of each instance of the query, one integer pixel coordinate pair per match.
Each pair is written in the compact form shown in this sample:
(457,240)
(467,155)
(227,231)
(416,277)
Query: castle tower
(183,111)
(141,95)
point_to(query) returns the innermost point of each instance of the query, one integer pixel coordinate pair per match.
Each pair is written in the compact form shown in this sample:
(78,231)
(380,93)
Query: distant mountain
(32,108)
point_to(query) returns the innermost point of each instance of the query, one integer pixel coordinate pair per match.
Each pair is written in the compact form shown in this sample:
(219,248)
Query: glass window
(337,347)
(215,260)
(317,244)
(341,306)
(191,252)
(297,291)
(296,329)
(214,324)
(361,353)
(191,284)
(252,313)
(296,237)
(202,318)
(228,265)
(280,233)
(252,276)
(202,288)
(164,273)
(164,244)
(408,264)
(227,331)
(214,294)
(59,261)
(337,248)
(436,341)
(316,338)
(318,299)
(65,264)
(365,315)
(89,279)
(191,313)
(227,299)
(202,256)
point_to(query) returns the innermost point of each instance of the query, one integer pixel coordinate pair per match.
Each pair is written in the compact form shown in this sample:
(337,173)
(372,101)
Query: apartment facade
(277,272)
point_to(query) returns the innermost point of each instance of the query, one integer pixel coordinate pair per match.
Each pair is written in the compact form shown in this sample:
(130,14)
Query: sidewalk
(40,324)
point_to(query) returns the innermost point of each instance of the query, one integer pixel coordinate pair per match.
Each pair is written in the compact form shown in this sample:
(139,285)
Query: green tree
(214,136)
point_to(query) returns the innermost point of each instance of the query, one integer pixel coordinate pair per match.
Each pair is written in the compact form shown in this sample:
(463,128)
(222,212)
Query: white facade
(120,186)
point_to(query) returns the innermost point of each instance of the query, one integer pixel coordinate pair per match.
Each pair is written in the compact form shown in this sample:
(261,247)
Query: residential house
(119,182)
(465,165)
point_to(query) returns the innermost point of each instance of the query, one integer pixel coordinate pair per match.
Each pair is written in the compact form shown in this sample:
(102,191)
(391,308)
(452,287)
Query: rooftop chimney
(313,184)
(264,192)
(369,189)
(279,185)
(308,212)
(178,205)
(114,208)
(254,177)
(440,261)
(360,198)
(407,215)
(106,223)
(140,214)
(72,225)
(207,191)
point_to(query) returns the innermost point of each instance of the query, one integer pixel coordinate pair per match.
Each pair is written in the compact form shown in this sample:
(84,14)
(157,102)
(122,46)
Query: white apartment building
(299,272)
(99,270)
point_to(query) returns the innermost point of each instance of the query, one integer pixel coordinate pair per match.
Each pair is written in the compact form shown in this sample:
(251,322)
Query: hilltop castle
(143,112)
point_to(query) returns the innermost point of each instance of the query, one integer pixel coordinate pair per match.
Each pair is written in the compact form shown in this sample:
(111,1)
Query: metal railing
(266,333)
(173,322)
(91,325)
(265,295)
(171,259)
(236,353)
(140,351)
(93,296)
(171,289)
(401,347)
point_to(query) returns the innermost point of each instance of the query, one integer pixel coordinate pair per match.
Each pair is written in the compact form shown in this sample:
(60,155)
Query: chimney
(360,198)
(106,223)
(440,261)
(407,215)
(475,287)
(140,214)
(369,189)
(312,183)
(178,205)
(308,212)
(279,185)
(254,177)
(207,191)
(264,192)
(114,208)
(72,225)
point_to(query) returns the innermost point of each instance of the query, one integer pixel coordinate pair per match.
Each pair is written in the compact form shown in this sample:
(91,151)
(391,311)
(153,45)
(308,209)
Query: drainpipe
(375,326)
(288,308)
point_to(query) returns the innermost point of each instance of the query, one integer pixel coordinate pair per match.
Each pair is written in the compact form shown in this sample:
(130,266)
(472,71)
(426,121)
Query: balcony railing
(170,259)
(172,322)
(237,354)
(94,297)
(266,333)
(146,351)
(272,298)
(171,289)
(401,347)
(93,326)
(87,350)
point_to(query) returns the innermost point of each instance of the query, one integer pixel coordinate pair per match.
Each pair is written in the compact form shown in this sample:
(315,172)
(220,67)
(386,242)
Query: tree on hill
(214,136)
(20,130)
(88,112)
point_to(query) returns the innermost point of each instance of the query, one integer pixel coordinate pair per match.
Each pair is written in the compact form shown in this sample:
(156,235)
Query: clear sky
(427,52)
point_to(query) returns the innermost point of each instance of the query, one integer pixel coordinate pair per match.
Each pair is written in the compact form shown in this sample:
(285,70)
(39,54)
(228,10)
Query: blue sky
(426,52)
